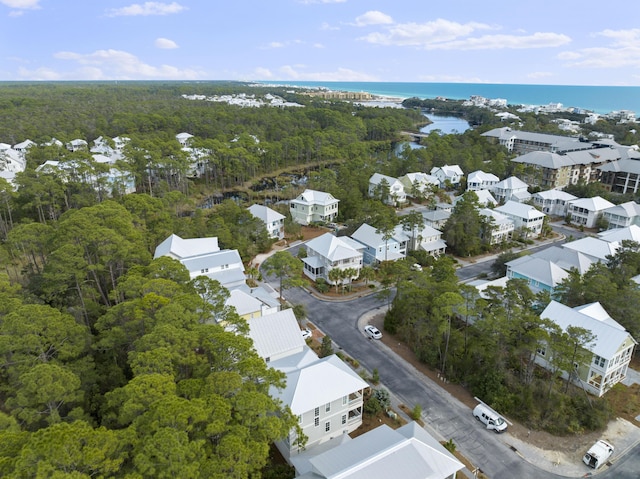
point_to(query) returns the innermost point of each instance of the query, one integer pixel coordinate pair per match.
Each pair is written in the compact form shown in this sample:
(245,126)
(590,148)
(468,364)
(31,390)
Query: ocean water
(599,99)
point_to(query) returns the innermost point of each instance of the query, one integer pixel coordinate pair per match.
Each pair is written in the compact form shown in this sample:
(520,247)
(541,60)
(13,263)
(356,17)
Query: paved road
(445,415)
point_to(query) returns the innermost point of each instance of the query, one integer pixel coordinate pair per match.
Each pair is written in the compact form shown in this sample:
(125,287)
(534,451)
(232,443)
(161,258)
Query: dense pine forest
(110,364)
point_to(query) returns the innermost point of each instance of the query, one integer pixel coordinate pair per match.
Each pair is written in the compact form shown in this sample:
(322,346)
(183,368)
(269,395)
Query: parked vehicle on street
(491,419)
(372,332)
(598,454)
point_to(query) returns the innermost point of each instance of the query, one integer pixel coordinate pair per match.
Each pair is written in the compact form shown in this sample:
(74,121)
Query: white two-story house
(479,180)
(328,252)
(390,188)
(609,353)
(377,249)
(525,217)
(553,202)
(203,257)
(313,206)
(325,394)
(586,211)
(447,174)
(622,215)
(273,221)
(511,188)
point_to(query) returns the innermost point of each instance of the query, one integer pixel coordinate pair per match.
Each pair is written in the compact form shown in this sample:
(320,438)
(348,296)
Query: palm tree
(335,275)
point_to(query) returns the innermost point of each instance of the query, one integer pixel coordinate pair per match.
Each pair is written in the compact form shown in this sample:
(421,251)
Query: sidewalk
(621,433)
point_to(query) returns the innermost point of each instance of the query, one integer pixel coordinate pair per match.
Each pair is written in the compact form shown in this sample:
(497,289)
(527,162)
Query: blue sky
(563,42)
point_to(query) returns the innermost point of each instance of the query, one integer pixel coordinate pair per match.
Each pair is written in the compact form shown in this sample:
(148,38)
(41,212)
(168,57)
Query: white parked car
(372,332)
(306,334)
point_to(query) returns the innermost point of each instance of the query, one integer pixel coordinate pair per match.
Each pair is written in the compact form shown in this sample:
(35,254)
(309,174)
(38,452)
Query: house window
(204,270)
(344,419)
(542,351)
(316,412)
(327,407)
(316,422)
(327,426)
(345,400)
(300,419)
(598,361)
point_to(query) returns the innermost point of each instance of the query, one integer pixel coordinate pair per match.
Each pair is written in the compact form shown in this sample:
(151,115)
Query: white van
(598,454)
(490,418)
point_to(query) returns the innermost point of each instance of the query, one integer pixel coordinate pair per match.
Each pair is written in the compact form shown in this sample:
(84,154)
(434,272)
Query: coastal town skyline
(559,43)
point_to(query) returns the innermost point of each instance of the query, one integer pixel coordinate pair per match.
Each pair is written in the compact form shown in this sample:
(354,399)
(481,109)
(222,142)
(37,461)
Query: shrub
(416,413)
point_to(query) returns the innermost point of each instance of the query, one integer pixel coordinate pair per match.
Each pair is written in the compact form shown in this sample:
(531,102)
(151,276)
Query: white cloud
(373,17)
(326,26)
(165,43)
(318,45)
(22,4)
(273,45)
(536,75)
(262,73)
(424,34)
(623,51)
(289,72)
(147,8)
(447,35)
(499,42)
(120,65)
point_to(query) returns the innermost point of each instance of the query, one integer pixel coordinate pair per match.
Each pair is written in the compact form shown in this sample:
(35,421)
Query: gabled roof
(595,247)
(377,178)
(484,197)
(626,165)
(214,259)
(421,178)
(448,170)
(538,269)
(610,335)
(566,258)
(408,452)
(243,302)
(630,209)
(554,194)
(521,210)
(480,176)
(332,247)
(498,218)
(368,236)
(544,159)
(264,213)
(313,197)
(276,334)
(179,248)
(619,234)
(320,382)
(511,183)
(596,203)
(436,215)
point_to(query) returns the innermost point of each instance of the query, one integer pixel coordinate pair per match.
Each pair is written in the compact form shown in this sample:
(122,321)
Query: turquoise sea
(599,99)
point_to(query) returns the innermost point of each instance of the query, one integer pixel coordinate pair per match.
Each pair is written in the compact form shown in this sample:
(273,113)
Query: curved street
(498,456)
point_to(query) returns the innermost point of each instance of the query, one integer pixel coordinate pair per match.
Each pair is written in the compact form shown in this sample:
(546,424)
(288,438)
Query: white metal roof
(332,247)
(276,334)
(408,453)
(266,214)
(610,335)
(180,248)
(318,383)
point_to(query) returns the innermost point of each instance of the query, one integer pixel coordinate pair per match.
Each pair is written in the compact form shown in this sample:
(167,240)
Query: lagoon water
(599,99)
(445,124)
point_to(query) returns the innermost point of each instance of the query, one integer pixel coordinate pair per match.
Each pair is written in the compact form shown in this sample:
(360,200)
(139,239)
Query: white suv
(372,332)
